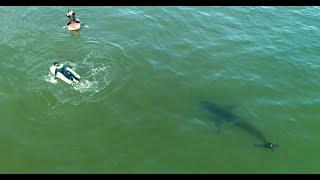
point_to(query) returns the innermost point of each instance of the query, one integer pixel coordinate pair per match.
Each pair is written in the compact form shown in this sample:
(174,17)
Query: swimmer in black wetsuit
(72,19)
(62,68)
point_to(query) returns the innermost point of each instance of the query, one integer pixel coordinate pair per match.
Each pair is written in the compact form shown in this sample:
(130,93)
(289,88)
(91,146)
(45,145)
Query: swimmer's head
(56,64)
(70,13)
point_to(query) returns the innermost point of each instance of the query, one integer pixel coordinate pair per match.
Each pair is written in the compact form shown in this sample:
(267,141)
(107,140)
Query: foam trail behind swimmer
(83,86)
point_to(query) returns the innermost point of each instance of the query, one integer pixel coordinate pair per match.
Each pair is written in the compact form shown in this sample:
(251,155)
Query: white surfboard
(62,77)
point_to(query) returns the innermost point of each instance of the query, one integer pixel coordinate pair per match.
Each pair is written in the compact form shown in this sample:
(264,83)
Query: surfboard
(62,77)
(73,72)
(74,26)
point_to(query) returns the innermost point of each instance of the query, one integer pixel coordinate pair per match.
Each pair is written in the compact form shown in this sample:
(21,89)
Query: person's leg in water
(74,77)
(70,76)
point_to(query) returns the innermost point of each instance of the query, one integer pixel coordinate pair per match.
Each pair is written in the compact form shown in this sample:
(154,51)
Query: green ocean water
(146,71)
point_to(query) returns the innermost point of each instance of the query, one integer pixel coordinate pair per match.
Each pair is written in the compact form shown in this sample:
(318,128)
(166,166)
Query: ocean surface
(145,71)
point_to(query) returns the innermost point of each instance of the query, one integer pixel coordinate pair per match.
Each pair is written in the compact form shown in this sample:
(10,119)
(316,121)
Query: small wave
(50,78)
(84,86)
(98,78)
(95,42)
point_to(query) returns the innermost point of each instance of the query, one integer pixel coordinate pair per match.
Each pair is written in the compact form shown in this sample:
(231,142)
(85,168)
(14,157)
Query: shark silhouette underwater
(224,114)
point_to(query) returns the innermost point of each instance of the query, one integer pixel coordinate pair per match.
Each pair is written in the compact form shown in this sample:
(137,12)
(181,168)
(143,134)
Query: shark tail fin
(270,146)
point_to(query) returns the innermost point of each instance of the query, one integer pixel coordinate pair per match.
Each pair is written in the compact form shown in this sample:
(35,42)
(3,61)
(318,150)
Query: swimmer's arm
(82,23)
(78,21)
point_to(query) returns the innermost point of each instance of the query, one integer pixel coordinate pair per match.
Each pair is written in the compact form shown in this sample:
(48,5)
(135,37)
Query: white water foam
(50,78)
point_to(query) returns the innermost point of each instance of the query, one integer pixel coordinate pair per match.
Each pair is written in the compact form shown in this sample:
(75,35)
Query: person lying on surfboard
(63,69)
(73,23)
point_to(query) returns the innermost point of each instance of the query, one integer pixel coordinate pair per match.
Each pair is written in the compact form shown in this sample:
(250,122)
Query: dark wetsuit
(66,73)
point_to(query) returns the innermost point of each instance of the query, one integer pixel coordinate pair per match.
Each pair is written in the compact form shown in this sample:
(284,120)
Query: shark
(225,114)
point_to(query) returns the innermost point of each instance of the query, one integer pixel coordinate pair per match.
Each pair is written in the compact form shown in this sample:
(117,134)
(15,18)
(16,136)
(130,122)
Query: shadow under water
(225,114)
